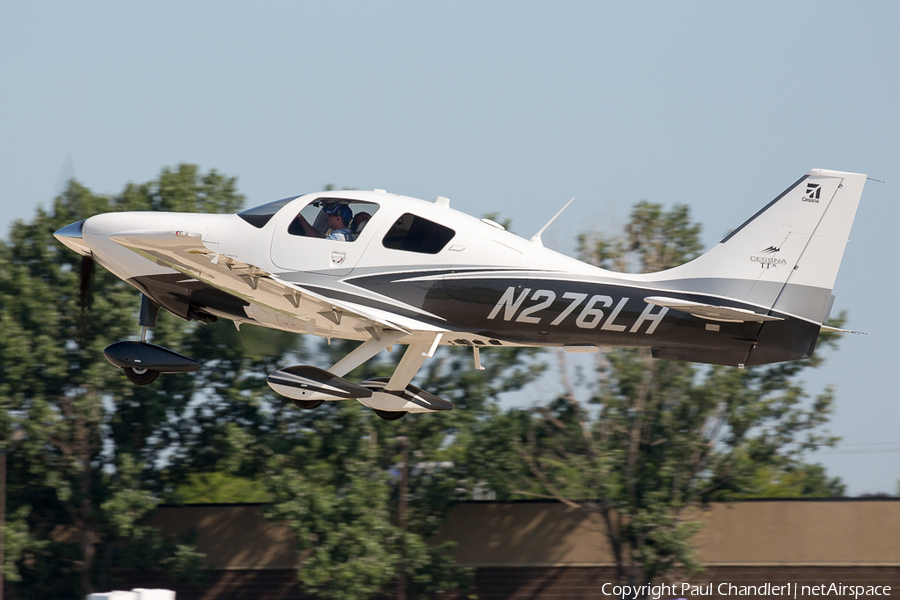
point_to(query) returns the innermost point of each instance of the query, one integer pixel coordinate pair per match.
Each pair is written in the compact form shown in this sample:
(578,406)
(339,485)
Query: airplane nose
(73,237)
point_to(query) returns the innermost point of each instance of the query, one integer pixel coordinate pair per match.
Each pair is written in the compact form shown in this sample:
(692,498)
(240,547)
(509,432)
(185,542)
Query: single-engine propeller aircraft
(387,269)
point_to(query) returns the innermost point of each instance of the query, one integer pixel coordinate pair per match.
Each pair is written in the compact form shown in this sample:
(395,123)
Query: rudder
(807,291)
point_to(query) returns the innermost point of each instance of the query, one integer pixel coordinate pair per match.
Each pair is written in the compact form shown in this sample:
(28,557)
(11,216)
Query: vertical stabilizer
(817,268)
(786,256)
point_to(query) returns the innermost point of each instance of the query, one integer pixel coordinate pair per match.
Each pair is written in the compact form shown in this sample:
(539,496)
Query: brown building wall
(785,533)
(232,536)
(847,532)
(547,550)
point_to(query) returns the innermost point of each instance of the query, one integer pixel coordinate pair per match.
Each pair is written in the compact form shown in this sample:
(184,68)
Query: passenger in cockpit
(359,222)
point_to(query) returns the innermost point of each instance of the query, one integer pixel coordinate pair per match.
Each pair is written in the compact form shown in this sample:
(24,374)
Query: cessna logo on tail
(769,261)
(766,262)
(812,192)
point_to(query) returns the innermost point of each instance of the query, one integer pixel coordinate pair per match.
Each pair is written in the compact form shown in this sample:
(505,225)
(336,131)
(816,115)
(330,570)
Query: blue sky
(506,107)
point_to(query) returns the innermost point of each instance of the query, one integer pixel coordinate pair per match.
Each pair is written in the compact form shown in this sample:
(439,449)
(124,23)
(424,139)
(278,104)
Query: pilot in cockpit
(338,219)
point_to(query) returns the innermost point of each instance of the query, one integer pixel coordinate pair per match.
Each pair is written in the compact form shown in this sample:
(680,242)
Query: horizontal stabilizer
(838,330)
(713,313)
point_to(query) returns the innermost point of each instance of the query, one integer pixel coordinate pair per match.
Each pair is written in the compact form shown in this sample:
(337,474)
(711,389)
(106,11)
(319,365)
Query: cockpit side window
(333,218)
(258,216)
(415,234)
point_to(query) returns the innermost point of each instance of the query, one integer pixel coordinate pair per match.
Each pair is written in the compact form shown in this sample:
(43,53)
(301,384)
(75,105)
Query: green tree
(86,472)
(98,453)
(335,475)
(793,480)
(659,438)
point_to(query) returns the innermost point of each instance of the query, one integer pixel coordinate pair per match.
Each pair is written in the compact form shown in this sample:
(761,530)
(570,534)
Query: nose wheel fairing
(142,362)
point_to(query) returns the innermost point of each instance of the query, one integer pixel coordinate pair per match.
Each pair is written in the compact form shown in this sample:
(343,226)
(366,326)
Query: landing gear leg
(365,351)
(142,361)
(413,359)
(409,365)
(147,320)
(148,316)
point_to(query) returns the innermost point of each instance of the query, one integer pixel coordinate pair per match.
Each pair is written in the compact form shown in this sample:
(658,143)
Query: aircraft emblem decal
(812,192)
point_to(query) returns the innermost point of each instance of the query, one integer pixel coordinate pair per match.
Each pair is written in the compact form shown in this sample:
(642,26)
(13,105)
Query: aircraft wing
(184,252)
(711,312)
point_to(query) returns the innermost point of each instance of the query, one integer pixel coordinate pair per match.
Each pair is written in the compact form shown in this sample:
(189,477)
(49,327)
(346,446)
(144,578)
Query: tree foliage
(97,454)
(86,471)
(338,481)
(659,438)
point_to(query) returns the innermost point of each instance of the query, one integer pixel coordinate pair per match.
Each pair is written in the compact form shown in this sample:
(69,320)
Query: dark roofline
(209,504)
(733,501)
(552,501)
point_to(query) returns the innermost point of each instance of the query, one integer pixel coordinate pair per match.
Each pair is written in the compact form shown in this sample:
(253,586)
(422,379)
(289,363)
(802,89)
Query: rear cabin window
(415,234)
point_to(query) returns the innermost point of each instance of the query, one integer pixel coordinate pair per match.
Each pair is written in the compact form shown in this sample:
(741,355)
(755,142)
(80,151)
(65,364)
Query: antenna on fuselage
(536,238)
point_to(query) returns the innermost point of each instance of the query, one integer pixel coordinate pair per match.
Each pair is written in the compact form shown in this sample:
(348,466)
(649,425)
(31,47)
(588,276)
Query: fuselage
(481,284)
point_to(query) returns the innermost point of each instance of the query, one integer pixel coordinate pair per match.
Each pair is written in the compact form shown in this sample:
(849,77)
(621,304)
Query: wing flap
(185,252)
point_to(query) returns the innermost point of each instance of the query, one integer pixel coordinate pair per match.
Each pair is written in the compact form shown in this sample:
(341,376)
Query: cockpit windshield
(260,215)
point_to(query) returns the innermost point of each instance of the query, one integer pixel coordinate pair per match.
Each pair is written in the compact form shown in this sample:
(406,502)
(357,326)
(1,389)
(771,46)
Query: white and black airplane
(404,271)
